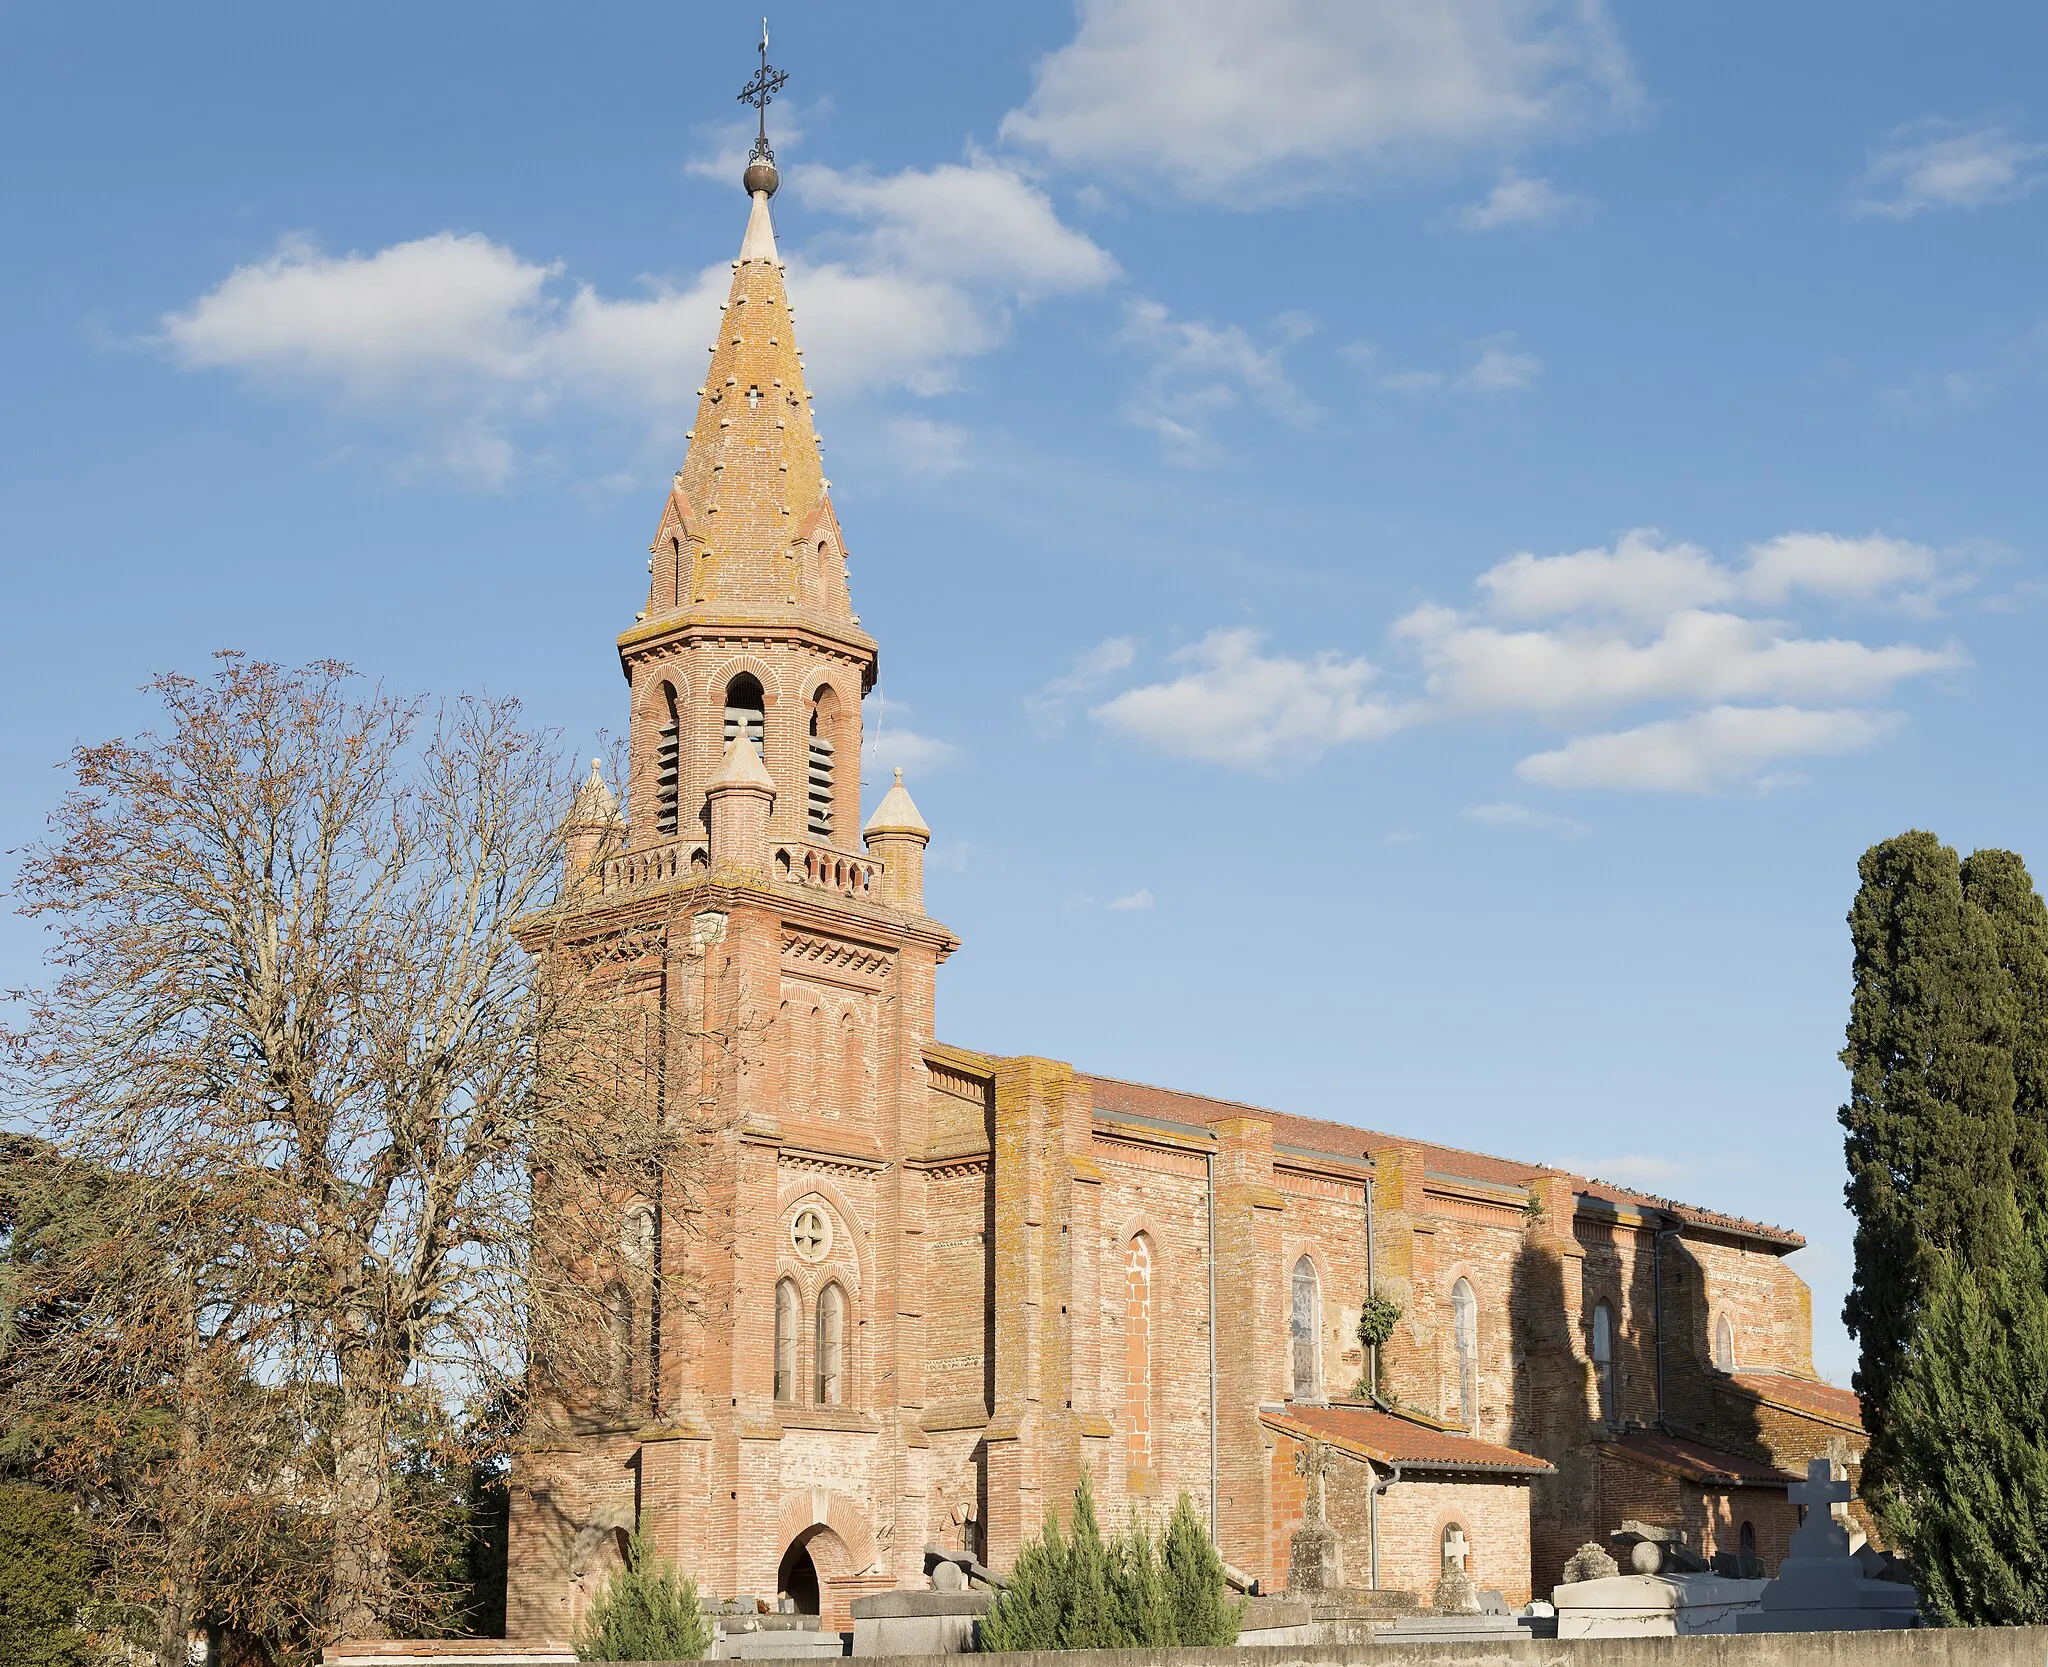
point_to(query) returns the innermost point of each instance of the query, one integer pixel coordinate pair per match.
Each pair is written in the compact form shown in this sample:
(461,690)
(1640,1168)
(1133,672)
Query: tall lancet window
(818,800)
(831,1349)
(667,759)
(1465,1340)
(1138,1354)
(744,710)
(1603,1361)
(619,1312)
(1724,1344)
(1303,1329)
(788,1316)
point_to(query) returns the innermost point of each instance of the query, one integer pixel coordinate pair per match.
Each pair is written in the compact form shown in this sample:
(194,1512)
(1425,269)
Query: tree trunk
(182,1503)
(360,1603)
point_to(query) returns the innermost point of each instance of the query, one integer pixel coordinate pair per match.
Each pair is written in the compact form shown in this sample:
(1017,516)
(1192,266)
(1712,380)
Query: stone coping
(1926,1647)
(903,1605)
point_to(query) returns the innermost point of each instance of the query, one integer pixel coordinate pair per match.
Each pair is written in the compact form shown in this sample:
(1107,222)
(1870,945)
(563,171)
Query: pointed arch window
(788,1317)
(1603,1361)
(1465,1341)
(745,711)
(823,743)
(667,764)
(619,1314)
(1303,1327)
(1138,1354)
(1724,1344)
(830,1357)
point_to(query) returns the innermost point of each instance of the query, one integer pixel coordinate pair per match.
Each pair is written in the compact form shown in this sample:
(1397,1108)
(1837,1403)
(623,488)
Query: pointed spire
(749,526)
(897,813)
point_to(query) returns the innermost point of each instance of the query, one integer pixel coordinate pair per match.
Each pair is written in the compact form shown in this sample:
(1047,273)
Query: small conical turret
(590,831)
(742,794)
(897,834)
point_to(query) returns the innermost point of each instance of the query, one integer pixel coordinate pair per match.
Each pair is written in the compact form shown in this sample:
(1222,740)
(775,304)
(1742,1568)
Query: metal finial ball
(761,176)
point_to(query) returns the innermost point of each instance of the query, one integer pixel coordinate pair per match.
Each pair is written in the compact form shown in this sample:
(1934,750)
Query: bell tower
(787,966)
(749,630)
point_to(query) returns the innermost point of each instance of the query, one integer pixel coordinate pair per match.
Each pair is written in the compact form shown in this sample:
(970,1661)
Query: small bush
(644,1615)
(1377,1317)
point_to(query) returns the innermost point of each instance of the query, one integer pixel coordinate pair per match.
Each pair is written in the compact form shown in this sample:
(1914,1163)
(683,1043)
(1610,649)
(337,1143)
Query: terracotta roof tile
(1805,1396)
(1387,1439)
(1138,1099)
(1695,1460)
(1691,1214)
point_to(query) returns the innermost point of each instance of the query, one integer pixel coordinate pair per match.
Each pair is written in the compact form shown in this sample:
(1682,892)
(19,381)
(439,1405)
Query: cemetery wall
(1931,1647)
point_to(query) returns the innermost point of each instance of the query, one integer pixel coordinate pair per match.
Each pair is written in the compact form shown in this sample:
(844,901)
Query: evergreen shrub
(1072,1592)
(644,1614)
(45,1575)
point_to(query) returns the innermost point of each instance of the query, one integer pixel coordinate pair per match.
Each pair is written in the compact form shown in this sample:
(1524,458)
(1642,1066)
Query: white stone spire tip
(759,243)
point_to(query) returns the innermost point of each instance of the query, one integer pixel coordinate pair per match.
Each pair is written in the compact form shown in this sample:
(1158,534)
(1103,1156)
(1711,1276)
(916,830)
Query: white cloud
(1848,568)
(1048,707)
(1694,656)
(1726,693)
(979,224)
(1253,104)
(1198,372)
(1236,705)
(1512,815)
(889,743)
(467,337)
(1645,578)
(927,448)
(1497,367)
(1709,750)
(446,305)
(1139,899)
(1517,200)
(1939,164)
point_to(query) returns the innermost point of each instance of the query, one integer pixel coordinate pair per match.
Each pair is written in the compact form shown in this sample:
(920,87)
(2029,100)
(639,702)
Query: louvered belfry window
(743,711)
(667,760)
(820,781)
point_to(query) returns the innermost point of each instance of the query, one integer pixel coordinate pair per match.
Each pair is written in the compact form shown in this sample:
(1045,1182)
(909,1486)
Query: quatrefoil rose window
(811,1232)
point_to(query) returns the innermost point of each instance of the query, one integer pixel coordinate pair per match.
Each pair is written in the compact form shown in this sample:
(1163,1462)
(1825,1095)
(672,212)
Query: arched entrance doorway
(797,1575)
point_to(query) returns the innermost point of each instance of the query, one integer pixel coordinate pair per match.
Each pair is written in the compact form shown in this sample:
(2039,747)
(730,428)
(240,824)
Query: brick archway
(834,1532)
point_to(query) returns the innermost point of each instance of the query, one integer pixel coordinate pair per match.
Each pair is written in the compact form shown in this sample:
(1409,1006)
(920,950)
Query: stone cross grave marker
(1312,1463)
(1455,1548)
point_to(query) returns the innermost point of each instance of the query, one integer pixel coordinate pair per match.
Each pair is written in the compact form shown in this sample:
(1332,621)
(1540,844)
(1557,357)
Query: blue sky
(1413,544)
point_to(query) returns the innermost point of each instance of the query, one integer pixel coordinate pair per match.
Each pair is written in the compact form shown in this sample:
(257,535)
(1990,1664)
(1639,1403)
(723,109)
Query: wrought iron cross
(760,92)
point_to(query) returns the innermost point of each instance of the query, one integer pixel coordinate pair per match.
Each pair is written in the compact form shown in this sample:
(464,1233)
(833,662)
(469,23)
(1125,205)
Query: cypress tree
(1970,1438)
(1144,1620)
(1030,1613)
(1090,1622)
(1997,882)
(1198,1602)
(1930,1119)
(1948,1158)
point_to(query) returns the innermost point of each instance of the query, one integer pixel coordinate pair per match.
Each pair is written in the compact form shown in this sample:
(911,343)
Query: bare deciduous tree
(316,979)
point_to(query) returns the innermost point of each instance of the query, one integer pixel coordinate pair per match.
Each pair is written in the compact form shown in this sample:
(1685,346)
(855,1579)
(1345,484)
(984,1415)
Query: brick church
(945,1283)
